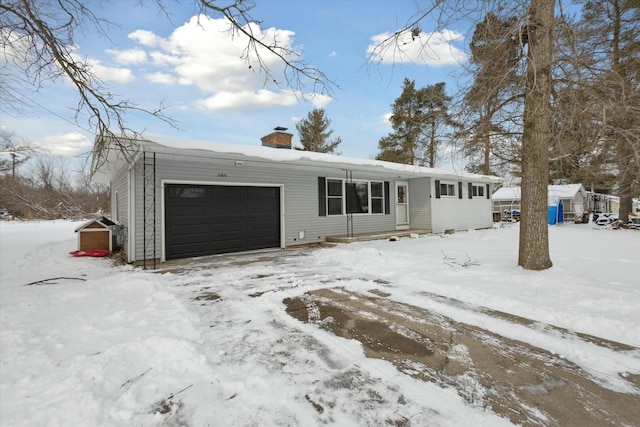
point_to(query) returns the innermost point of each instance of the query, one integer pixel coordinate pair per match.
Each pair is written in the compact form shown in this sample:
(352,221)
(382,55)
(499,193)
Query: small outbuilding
(96,234)
(569,200)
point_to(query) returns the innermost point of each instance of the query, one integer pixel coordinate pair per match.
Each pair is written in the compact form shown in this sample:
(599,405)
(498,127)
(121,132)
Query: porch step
(362,237)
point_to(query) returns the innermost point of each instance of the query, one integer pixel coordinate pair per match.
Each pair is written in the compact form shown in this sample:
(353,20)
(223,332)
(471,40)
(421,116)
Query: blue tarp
(555,214)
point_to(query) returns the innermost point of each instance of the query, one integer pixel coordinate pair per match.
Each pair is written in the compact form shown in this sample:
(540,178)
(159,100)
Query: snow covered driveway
(213,344)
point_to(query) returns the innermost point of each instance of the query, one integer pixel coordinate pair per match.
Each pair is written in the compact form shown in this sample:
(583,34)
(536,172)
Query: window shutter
(322,196)
(459,190)
(437,188)
(470,190)
(488,193)
(387,199)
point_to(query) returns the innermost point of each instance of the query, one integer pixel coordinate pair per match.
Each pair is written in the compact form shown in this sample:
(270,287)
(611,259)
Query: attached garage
(176,198)
(214,219)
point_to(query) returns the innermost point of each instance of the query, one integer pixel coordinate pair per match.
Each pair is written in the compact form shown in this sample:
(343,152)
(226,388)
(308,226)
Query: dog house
(99,233)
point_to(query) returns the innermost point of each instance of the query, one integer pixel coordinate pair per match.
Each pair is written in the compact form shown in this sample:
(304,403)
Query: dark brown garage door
(211,219)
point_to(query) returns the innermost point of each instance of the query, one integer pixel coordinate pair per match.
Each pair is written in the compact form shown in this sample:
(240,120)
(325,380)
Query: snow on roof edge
(292,155)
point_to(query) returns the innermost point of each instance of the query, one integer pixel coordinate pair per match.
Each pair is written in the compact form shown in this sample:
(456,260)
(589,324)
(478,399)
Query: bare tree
(533,253)
(14,154)
(609,36)
(37,39)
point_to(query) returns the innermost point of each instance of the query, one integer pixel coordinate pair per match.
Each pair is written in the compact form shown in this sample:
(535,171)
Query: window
(377,197)
(334,196)
(478,191)
(358,197)
(447,189)
(187,192)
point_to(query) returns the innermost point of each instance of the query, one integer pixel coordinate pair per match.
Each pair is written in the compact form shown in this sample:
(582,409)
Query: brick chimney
(277,139)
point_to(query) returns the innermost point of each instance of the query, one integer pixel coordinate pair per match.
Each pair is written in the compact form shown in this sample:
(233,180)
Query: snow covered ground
(114,345)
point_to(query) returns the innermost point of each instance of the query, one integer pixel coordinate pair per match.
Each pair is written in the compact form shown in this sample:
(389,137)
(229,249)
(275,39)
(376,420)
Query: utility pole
(13,166)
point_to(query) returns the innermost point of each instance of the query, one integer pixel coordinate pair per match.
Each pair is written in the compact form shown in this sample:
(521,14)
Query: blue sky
(195,70)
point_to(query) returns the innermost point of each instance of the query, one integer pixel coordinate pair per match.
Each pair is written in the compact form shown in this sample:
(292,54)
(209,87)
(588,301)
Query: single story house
(178,198)
(572,197)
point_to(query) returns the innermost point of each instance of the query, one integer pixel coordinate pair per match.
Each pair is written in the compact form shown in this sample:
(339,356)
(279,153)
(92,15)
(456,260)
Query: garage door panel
(190,249)
(194,211)
(205,220)
(189,229)
(229,226)
(234,207)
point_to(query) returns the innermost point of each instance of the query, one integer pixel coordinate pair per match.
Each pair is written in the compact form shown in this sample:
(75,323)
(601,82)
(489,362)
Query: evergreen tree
(420,121)
(314,133)
(494,100)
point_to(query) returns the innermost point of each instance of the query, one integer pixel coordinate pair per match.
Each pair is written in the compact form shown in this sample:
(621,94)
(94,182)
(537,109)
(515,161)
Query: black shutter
(470,190)
(322,196)
(437,188)
(459,190)
(387,199)
(488,193)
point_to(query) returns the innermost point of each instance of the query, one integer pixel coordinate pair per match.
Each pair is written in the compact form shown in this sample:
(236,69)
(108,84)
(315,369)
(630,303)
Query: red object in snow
(96,253)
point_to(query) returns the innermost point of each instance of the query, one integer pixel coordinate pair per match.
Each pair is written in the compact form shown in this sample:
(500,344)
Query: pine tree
(314,133)
(494,100)
(420,121)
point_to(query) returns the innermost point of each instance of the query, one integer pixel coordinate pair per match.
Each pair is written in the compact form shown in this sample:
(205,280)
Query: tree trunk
(487,144)
(623,154)
(625,180)
(533,251)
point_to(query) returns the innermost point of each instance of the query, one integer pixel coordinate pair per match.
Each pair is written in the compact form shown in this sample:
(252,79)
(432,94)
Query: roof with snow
(566,191)
(116,159)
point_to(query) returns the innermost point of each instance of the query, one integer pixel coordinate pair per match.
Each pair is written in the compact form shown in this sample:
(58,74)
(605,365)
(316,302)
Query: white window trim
(447,183)
(477,189)
(344,196)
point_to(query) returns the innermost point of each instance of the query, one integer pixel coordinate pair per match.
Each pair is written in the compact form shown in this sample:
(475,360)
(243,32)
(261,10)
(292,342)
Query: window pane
(228,192)
(376,205)
(187,192)
(261,193)
(357,197)
(376,189)
(401,194)
(334,187)
(475,191)
(443,189)
(335,206)
(480,191)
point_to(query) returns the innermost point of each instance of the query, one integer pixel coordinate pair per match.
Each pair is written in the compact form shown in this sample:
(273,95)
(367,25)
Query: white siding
(300,195)
(460,214)
(120,199)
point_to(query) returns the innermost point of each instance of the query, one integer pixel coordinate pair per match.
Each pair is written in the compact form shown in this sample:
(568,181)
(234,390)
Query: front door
(402,205)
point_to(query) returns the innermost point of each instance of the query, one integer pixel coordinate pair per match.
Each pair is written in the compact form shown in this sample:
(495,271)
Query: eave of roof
(285,156)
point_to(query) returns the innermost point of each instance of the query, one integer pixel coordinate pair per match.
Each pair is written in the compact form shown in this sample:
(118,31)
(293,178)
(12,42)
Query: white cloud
(145,38)
(319,100)
(69,144)
(203,53)
(247,100)
(104,73)
(118,75)
(385,119)
(160,78)
(129,57)
(434,49)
